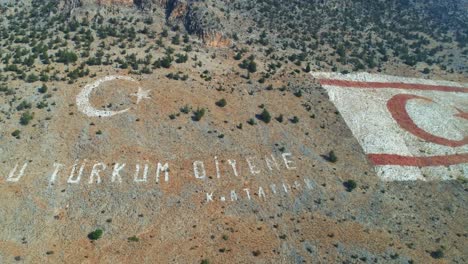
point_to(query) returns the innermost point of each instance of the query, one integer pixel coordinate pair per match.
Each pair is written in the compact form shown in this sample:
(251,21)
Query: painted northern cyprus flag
(410,129)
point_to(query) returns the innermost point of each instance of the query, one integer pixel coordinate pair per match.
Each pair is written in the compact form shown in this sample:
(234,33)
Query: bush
(249,65)
(185,109)
(32,78)
(221,103)
(280,118)
(238,56)
(43,89)
(66,57)
(95,235)
(252,66)
(181,58)
(251,122)
(350,185)
(438,254)
(298,93)
(166,62)
(332,157)
(25,118)
(133,239)
(198,114)
(295,120)
(16,133)
(265,116)
(23,105)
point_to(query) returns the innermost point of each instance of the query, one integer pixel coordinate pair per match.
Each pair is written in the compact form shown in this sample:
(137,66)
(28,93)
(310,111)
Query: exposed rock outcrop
(206,24)
(197,17)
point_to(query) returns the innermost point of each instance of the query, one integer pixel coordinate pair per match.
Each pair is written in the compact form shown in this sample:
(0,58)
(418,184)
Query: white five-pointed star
(141,94)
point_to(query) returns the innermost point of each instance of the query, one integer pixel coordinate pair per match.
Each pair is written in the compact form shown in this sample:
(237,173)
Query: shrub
(295,120)
(280,118)
(95,235)
(252,66)
(438,254)
(251,122)
(16,133)
(265,116)
(181,58)
(166,61)
(198,114)
(221,103)
(133,239)
(205,261)
(32,78)
(332,157)
(350,185)
(25,118)
(23,105)
(176,40)
(43,89)
(66,57)
(249,64)
(185,109)
(238,56)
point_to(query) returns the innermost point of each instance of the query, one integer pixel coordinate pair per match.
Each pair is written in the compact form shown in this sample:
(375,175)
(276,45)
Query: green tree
(95,235)
(265,116)
(25,118)
(66,56)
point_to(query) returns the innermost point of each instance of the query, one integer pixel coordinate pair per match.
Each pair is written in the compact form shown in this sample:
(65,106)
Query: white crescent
(82,99)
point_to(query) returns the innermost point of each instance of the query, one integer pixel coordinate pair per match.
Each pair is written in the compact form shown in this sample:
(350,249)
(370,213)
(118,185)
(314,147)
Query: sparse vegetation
(437,254)
(25,118)
(96,234)
(221,103)
(16,133)
(251,122)
(280,118)
(185,109)
(43,89)
(331,157)
(198,114)
(350,185)
(133,239)
(265,116)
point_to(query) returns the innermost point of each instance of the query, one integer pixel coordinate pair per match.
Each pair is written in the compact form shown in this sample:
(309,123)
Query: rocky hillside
(193,132)
(337,35)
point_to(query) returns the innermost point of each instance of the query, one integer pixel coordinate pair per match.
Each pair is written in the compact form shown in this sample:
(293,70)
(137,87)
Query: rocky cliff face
(205,23)
(197,18)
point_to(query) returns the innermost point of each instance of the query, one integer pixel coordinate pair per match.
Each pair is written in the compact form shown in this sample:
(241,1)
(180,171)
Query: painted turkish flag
(411,129)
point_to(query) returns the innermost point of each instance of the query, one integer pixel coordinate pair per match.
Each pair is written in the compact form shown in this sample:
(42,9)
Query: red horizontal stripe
(392,159)
(403,86)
